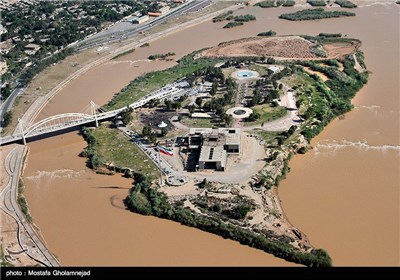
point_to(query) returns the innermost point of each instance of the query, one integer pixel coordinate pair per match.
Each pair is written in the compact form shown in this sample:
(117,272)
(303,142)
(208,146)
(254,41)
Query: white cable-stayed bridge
(69,120)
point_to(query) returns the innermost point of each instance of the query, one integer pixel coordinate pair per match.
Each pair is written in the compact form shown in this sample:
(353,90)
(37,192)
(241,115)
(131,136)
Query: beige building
(213,146)
(142,19)
(164,10)
(31,49)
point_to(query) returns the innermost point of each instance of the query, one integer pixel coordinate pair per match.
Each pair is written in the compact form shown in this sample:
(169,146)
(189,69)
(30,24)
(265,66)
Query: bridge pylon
(21,127)
(93,109)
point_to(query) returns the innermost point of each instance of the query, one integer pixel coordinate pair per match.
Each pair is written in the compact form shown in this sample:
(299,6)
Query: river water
(344,194)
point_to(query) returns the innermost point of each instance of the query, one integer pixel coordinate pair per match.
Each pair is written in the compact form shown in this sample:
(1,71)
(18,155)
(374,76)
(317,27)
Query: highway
(106,36)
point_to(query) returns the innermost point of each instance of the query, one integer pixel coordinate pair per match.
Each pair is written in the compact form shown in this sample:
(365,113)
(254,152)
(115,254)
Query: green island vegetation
(266,4)
(239,20)
(224,16)
(318,102)
(317,3)
(150,82)
(312,14)
(38,32)
(22,201)
(275,3)
(330,35)
(124,53)
(244,18)
(146,200)
(233,24)
(161,55)
(109,150)
(145,45)
(329,99)
(267,33)
(346,4)
(288,3)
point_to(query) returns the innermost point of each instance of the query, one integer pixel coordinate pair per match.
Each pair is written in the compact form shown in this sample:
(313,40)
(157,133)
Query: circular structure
(245,74)
(239,112)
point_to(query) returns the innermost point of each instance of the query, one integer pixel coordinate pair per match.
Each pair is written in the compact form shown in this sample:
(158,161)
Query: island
(312,14)
(214,139)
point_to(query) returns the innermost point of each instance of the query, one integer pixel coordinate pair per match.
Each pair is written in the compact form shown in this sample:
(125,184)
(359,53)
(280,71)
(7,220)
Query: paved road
(8,103)
(116,33)
(29,240)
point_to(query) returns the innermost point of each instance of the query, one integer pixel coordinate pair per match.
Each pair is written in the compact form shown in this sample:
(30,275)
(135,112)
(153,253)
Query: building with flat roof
(212,158)
(213,146)
(164,10)
(132,19)
(142,19)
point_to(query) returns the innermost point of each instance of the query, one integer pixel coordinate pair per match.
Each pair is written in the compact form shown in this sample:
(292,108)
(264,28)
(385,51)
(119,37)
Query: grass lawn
(267,114)
(113,146)
(268,136)
(258,68)
(198,122)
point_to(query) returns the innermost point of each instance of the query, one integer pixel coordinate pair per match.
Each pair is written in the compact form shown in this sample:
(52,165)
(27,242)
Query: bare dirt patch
(279,47)
(287,47)
(336,50)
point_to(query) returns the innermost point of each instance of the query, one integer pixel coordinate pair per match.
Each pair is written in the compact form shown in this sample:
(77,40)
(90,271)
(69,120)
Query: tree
(146,132)
(280,141)
(127,116)
(228,119)
(214,88)
(257,98)
(176,105)
(191,109)
(291,130)
(199,101)
(168,105)
(253,116)
(219,110)
(152,137)
(164,131)
(6,91)
(7,118)
(95,161)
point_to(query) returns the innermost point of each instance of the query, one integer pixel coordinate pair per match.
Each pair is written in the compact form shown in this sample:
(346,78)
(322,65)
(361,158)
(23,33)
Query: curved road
(28,239)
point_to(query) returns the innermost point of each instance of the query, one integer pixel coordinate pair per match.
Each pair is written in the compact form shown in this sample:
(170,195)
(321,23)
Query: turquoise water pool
(245,74)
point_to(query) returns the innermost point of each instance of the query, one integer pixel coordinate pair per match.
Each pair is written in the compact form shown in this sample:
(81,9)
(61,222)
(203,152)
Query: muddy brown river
(344,194)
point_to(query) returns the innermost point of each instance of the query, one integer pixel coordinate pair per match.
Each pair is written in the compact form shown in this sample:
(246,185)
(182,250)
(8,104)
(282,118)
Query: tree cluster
(146,200)
(311,14)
